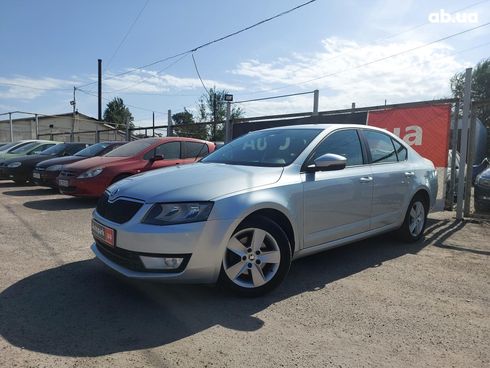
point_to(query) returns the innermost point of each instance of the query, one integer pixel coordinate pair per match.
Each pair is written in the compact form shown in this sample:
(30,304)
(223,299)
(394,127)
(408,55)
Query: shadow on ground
(57,204)
(82,309)
(36,191)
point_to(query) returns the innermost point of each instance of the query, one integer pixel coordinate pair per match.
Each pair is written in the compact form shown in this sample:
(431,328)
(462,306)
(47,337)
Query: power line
(207,43)
(108,99)
(127,34)
(199,75)
(148,78)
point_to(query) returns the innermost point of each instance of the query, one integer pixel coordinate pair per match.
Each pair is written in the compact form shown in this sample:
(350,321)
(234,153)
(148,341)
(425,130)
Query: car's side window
(344,143)
(41,148)
(381,147)
(169,151)
(195,149)
(401,152)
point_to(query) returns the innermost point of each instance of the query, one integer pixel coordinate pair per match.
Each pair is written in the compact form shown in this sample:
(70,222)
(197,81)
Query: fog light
(161,263)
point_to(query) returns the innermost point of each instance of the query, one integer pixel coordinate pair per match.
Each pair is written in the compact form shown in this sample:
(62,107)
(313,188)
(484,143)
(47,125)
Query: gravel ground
(375,303)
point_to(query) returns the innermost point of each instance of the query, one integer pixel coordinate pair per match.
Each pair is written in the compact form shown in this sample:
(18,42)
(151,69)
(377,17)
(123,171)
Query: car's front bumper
(46,178)
(202,244)
(90,187)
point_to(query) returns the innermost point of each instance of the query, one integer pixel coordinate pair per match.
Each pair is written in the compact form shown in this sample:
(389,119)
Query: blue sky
(49,46)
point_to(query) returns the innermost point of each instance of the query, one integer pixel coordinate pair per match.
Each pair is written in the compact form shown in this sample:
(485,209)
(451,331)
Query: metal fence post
(316,97)
(227,122)
(469,165)
(169,124)
(11,128)
(464,144)
(454,147)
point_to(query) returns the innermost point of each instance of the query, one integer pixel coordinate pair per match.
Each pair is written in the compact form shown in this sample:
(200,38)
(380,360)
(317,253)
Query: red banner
(424,128)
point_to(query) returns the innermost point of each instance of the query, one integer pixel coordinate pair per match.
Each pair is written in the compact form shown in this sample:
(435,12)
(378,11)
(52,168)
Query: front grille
(120,211)
(68,173)
(131,260)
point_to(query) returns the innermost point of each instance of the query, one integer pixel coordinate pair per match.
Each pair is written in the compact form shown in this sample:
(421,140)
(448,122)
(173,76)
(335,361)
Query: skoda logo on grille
(113,194)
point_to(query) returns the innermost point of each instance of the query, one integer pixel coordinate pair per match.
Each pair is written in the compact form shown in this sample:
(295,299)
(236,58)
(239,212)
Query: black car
(482,191)
(19,169)
(46,172)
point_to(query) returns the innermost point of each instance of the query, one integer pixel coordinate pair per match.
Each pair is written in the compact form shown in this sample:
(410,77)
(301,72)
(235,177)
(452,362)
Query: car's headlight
(178,213)
(90,173)
(55,168)
(14,164)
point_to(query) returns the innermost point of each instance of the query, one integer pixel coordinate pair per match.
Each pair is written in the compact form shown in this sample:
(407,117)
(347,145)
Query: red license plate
(103,233)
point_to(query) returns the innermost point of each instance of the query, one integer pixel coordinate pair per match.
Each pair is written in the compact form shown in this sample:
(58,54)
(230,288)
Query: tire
(20,182)
(250,269)
(415,221)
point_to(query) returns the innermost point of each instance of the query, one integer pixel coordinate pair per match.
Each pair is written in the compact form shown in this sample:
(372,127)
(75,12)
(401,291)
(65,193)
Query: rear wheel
(20,182)
(415,220)
(257,257)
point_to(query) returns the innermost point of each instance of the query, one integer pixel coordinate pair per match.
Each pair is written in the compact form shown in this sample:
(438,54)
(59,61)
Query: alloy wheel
(417,218)
(252,258)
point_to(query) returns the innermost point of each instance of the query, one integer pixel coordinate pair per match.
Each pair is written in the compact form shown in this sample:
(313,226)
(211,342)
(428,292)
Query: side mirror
(328,162)
(156,158)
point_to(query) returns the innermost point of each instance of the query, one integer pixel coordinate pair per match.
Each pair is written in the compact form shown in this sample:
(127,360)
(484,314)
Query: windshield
(51,151)
(93,150)
(277,147)
(7,146)
(25,148)
(132,148)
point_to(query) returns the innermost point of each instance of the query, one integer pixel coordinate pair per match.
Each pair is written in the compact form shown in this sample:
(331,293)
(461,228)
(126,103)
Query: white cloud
(417,75)
(26,88)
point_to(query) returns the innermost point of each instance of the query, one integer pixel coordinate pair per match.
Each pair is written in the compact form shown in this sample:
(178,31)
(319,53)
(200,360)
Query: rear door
(390,177)
(337,204)
(194,151)
(171,152)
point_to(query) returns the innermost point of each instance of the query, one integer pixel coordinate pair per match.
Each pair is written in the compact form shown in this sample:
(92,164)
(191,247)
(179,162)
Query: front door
(337,204)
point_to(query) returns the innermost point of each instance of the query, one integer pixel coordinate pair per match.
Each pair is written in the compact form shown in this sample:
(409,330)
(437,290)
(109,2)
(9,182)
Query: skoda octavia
(242,214)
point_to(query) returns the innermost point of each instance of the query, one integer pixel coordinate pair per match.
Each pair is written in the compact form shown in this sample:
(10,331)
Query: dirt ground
(375,303)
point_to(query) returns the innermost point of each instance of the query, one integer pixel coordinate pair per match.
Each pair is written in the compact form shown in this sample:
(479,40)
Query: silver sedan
(242,214)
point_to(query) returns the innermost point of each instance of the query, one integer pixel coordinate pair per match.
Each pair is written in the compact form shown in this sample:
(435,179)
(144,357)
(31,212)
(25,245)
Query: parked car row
(79,169)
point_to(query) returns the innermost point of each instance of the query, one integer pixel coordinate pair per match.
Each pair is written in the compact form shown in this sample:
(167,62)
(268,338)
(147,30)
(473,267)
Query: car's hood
(100,161)
(60,161)
(195,182)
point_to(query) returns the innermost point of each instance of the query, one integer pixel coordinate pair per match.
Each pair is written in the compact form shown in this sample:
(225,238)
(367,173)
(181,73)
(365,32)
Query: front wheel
(257,257)
(415,220)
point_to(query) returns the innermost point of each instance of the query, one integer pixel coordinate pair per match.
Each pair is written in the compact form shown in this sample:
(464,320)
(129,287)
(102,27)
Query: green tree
(118,114)
(212,108)
(480,88)
(186,126)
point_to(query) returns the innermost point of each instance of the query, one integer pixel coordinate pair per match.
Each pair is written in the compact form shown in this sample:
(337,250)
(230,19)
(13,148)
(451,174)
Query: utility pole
(37,126)
(99,95)
(228,123)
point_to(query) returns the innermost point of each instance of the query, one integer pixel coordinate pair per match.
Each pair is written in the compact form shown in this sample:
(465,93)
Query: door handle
(366,179)
(409,174)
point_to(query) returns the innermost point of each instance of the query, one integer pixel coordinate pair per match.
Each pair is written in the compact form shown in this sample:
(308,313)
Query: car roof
(325,127)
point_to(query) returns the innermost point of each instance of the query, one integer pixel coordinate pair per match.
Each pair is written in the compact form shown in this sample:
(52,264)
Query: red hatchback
(90,177)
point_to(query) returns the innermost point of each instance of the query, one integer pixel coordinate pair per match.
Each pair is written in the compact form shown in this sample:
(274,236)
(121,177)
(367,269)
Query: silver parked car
(242,214)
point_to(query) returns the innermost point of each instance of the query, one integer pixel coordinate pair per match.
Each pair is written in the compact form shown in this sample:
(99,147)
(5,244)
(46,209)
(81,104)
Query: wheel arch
(280,219)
